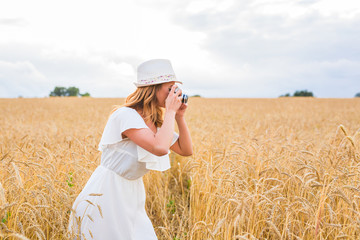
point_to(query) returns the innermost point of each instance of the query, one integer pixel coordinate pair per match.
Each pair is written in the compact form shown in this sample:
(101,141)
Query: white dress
(112,203)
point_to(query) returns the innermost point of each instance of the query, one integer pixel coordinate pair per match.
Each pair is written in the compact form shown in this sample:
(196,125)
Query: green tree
(65,92)
(72,91)
(303,93)
(58,91)
(357,95)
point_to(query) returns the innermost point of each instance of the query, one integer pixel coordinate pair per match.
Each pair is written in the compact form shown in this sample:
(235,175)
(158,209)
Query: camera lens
(184,98)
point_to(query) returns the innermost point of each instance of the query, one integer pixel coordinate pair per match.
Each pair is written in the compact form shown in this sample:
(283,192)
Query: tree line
(299,93)
(67,92)
(306,93)
(75,92)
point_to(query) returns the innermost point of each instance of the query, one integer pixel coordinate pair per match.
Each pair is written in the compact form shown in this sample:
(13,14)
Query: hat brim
(144,85)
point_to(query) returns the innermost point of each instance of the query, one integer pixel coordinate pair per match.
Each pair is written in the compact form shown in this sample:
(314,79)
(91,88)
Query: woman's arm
(183,146)
(159,143)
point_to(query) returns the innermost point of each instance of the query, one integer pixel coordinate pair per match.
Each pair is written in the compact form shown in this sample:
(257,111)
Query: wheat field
(285,168)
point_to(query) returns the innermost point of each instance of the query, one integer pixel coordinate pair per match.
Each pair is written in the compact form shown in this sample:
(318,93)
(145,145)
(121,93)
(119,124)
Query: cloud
(219,48)
(20,78)
(34,70)
(262,48)
(270,50)
(12,22)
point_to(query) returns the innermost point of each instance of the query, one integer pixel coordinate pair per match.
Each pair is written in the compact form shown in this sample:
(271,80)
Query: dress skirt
(111,207)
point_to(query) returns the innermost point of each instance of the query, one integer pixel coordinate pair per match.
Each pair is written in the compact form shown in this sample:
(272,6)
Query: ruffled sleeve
(154,162)
(122,119)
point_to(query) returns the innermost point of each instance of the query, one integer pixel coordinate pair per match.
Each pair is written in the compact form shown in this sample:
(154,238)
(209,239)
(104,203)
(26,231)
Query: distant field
(285,168)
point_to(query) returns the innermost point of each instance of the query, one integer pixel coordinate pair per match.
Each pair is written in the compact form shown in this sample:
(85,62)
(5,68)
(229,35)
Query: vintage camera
(184,97)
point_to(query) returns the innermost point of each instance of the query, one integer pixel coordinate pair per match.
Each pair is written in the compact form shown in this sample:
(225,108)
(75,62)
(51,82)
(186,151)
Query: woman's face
(163,92)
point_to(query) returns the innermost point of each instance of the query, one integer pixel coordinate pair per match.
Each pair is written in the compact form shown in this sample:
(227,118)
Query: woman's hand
(173,101)
(181,111)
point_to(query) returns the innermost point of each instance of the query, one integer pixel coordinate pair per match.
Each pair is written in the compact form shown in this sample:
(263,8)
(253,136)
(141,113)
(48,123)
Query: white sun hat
(155,71)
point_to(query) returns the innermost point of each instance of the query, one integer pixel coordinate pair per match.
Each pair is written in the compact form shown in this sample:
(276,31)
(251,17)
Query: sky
(218,48)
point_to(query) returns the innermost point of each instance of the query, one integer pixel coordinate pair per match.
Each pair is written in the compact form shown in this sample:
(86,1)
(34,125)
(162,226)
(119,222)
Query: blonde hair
(144,99)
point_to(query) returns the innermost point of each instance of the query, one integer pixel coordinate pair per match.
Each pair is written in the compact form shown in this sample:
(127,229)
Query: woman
(136,139)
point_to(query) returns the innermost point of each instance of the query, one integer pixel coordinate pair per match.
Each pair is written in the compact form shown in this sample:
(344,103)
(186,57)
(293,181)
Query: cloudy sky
(218,48)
